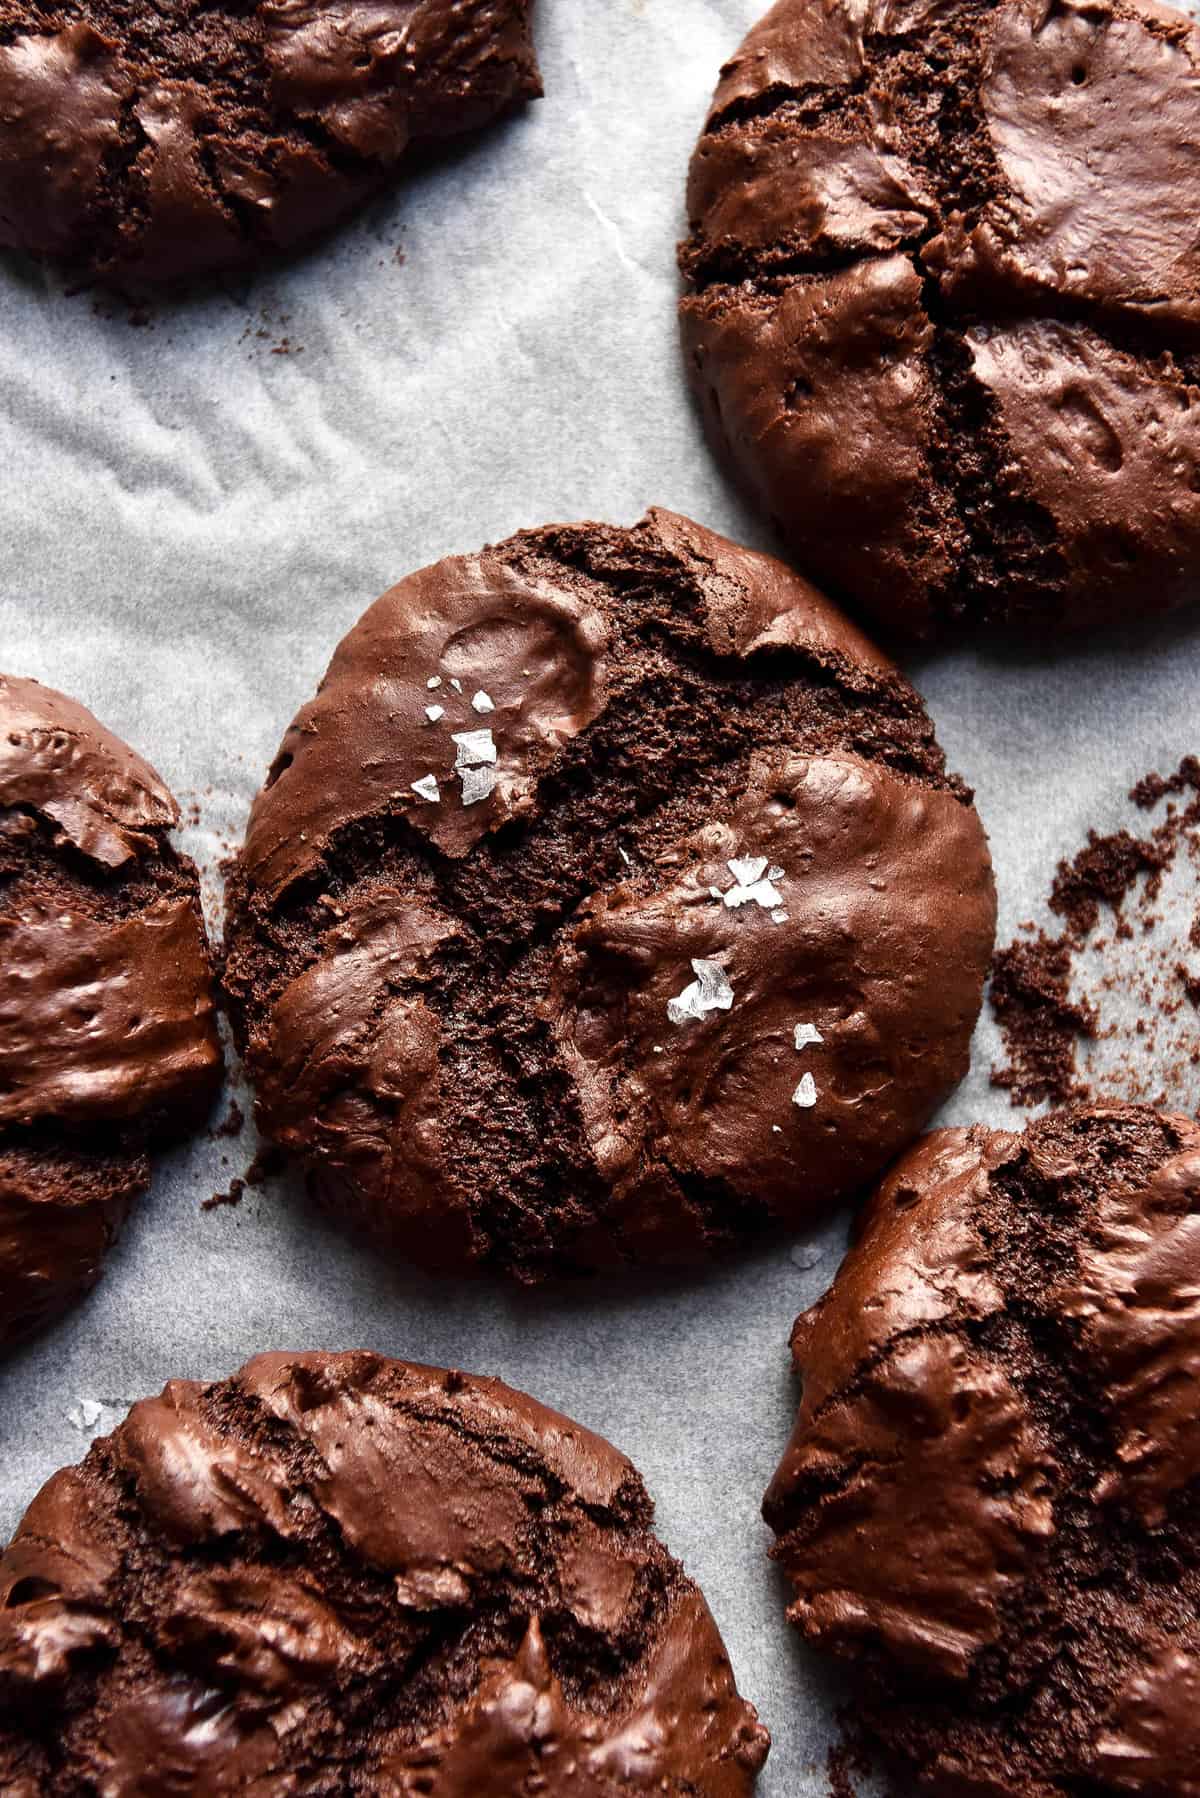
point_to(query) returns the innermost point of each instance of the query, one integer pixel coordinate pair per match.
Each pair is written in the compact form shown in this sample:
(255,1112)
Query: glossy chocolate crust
(339,1573)
(944,307)
(107,1025)
(143,142)
(460,1011)
(991,1500)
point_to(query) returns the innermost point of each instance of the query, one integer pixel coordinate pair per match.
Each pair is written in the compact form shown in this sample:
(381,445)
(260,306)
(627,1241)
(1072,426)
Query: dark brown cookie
(991,1501)
(143,142)
(609,902)
(945,303)
(107,1026)
(339,1574)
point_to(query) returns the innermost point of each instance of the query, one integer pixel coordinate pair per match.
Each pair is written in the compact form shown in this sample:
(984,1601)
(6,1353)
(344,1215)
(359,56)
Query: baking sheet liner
(192,513)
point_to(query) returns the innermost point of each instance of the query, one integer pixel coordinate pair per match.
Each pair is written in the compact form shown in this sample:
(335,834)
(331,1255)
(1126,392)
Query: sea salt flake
(760,892)
(483,702)
(427,788)
(746,870)
(779,917)
(477,784)
(751,883)
(625,857)
(807,1033)
(805,1094)
(777,1129)
(710,991)
(434,712)
(456,684)
(435,680)
(774,873)
(85,1416)
(475,747)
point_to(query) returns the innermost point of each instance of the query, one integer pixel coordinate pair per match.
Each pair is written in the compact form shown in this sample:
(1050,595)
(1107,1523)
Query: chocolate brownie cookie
(107,1026)
(991,1501)
(340,1574)
(945,303)
(608,902)
(144,141)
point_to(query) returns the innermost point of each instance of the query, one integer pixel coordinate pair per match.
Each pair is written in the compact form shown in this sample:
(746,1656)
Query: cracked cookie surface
(609,904)
(151,141)
(108,1034)
(991,1499)
(944,267)
(337,1573)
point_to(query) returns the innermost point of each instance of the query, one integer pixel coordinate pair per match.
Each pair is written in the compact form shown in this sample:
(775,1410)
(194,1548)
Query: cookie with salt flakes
(609,904)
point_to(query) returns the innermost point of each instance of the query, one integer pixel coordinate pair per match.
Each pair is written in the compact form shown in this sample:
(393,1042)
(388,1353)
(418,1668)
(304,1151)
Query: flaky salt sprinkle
(483,702)
(474,748)
(434,681)
(427,788)
(710,991)
(752,883)
(746,869)
(475,751)
(456,684)
(477,784)
(805,1094)
(434,712)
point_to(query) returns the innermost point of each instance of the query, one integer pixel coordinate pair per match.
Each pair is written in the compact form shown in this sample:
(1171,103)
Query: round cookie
(991,1500)
(338,1574)
(143,143)
(107,1026)
(944,306)
(608,903)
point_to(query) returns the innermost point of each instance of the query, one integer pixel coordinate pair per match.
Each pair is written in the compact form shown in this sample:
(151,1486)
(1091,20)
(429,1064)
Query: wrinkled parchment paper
(190,520)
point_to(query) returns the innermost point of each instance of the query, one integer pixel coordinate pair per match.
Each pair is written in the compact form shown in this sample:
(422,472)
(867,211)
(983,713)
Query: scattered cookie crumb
(1083,996)
(232,1197)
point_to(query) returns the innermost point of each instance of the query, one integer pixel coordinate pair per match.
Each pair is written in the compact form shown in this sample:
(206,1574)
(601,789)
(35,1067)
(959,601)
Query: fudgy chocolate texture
(144,141)
(944,307)
(991,1500)
(338,1573)
(107,1026)
(542,1012)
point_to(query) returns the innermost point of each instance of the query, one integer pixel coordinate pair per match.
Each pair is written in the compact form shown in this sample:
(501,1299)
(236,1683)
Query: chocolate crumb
(232,1197)
(1040,1022)
(1047,990)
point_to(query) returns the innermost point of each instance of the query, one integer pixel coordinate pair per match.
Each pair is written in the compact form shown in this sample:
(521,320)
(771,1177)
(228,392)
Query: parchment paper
(190,521)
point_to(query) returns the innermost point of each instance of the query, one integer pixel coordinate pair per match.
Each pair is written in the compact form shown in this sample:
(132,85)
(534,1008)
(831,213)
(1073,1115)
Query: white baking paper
(189,521)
